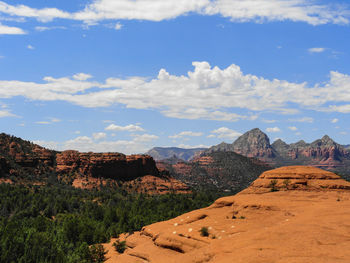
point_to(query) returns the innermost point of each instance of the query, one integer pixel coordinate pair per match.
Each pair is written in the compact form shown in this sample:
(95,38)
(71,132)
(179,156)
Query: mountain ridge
(324,152)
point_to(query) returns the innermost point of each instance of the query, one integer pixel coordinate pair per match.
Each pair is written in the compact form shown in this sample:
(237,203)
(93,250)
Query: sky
(129,75)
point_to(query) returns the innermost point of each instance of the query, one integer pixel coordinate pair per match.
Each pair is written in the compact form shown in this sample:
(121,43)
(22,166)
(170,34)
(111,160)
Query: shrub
(120,246)
(273,184)
(98,253)
(204,231)
(286,183)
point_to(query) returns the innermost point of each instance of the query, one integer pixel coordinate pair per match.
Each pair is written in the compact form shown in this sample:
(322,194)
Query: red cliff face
(108,165)
(25,157)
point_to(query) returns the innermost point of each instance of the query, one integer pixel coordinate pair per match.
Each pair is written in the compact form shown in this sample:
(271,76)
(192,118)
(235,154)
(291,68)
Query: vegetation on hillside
(58,223)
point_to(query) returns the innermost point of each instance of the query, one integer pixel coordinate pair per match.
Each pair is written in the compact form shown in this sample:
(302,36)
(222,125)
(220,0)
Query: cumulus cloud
(82,76)
(30,47)
(43,15)
(316,50)
(158,10)
(273,129)
(8,30)
(205,93)
(293,128)
(129,128)
(99,135)
(139,144)
(226,133)
(278,10)
(186,134)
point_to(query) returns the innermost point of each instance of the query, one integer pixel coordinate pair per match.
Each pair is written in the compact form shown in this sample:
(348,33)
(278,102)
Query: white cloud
(82,76)
(205,93)
(158,10)
(99,135)
(145,137)
(52,145)
(185,134)
(227,133)
(341,108)
(268,121)
(6,113)
(303,119)
(8,30)
(43,122)
(293,128)
(316,50)
(334,120)
(30,47)
(43,15)
(185,146)
(278,10)
(118,26)
(155,10)
(139,144)
(46,28)
(50,121)
(274,129)
(129,128)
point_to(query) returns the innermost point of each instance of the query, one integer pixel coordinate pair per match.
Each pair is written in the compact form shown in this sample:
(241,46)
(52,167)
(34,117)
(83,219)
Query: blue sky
(123,75)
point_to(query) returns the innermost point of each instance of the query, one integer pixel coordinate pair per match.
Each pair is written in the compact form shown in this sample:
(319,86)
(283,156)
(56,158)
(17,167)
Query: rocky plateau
(29,162)
(305,218)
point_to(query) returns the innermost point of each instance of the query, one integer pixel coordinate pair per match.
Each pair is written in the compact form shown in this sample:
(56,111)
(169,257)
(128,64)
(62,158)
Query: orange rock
(308,224)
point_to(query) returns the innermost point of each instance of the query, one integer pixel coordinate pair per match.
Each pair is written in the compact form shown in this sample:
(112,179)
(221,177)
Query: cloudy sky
(127,75)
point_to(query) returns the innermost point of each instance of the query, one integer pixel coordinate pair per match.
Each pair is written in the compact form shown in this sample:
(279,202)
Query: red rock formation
(306,224)
(107,165)
(84,170)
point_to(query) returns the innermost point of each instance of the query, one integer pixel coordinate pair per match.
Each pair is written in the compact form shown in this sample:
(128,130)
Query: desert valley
(289,214)
(174,131)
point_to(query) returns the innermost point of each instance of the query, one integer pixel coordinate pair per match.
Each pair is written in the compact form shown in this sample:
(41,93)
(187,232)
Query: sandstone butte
(307,220)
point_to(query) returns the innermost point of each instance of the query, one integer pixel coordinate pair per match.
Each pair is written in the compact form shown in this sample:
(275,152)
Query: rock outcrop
(20,157)
(31,163)
(107,165)
(302,224)
(297,177)
(323,153)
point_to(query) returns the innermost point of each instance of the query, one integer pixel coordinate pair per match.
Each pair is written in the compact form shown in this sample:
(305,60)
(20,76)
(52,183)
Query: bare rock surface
(308,223)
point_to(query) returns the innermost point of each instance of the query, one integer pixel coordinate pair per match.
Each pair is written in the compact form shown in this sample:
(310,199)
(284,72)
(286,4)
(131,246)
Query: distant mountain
(220,170)
(323,153)
(161,153)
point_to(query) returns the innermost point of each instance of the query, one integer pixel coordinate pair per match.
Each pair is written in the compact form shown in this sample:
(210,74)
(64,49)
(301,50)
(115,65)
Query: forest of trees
(58,223)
